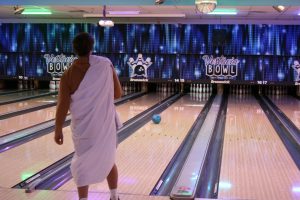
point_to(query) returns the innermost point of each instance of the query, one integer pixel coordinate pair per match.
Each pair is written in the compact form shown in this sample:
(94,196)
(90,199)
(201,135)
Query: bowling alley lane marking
(194,105)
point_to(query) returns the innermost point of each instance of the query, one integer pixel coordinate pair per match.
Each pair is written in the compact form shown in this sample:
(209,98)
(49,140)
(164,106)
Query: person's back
(88,89)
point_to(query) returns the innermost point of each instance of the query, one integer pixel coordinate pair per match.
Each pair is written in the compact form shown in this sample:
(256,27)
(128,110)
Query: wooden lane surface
(15,194)
(13,96)
(143,157)
(255,163)
(132,108)
(290,106)
(12,107)
(19,122)
(25,160)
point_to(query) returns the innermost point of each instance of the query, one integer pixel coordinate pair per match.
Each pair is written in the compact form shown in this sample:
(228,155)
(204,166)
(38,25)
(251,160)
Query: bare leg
(112,178)
(83,191)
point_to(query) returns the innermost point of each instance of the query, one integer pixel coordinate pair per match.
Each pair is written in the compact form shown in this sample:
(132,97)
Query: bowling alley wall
(190,53)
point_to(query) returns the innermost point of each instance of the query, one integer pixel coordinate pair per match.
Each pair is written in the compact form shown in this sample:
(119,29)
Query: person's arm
(117,85)
(63,104)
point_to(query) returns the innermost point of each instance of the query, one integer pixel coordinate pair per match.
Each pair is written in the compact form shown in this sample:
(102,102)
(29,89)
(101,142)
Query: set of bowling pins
(240,89)
(131,87)
(25,84)
(275,90)
(166,87)
(54,85)
(199,96)
(201,88)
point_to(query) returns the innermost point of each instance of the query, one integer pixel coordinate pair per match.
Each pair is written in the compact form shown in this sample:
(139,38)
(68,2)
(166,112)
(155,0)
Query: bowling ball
(156,119)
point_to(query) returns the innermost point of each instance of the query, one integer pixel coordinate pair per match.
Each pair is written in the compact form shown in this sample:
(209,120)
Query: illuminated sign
(139,67)
(57,64)
(221,66)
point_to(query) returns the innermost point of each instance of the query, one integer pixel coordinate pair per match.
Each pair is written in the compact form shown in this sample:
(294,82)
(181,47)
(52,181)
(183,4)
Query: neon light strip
(124,12)
(223,11)
(140,15)
(36,12)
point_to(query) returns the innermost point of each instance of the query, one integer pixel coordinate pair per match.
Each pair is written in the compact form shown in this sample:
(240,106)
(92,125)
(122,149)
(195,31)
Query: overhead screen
(264,52)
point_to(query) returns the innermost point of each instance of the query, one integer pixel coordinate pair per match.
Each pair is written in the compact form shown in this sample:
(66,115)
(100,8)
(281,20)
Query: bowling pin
(31,84)
(20,84)
(167,87)
(272,90)
(125,87)
(52,85)
(25,84)
(57,85)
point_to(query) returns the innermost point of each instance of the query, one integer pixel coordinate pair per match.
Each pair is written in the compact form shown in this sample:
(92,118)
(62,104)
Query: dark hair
(83,44)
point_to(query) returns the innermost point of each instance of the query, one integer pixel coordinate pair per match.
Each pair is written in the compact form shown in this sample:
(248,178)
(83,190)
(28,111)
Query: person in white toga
(88,89)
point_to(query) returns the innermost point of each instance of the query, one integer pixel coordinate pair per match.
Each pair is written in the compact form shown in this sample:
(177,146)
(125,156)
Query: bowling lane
(23,161)
(143,157)
(9,97)
(20,122)
(255,163)
(290,106)
(136,106)
(33,118)
(13,107)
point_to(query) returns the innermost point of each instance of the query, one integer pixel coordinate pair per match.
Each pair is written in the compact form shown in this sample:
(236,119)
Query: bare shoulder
(67,73)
